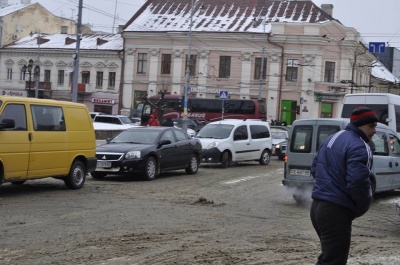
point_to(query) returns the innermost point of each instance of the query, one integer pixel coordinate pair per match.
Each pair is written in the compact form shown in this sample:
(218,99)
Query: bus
(385,105)
(204,109)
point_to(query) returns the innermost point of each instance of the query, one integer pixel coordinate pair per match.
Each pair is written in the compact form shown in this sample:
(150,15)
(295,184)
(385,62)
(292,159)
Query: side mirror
(164,142)
(7,124)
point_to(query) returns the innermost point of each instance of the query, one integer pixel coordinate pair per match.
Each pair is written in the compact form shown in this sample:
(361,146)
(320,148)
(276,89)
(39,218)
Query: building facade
(292,54)
(44,64)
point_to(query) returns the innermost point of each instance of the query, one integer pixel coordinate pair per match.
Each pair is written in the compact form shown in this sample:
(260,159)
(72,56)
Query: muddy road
(239,215)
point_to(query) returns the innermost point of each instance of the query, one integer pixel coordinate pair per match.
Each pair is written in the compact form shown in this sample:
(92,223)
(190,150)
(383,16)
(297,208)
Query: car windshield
(136,137)
(215,131)
(278,135)
(125,120)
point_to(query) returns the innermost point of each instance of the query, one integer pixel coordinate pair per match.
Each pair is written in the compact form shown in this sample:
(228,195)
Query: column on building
(128,87)
(246,75)
(177,64)
(153,71)
(274,75)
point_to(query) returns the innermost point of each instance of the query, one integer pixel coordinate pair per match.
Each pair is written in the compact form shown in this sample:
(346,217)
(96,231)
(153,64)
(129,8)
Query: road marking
(235,181)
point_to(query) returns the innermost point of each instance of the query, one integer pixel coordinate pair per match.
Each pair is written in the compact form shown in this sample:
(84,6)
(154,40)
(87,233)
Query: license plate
(103,164)
(300,172)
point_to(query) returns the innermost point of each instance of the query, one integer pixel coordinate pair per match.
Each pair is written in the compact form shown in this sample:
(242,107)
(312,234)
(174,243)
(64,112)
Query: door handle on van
(390,164)
(396,164)
(30,137)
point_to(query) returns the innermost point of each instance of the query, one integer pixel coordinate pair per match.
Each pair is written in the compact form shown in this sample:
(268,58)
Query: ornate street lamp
(29,68)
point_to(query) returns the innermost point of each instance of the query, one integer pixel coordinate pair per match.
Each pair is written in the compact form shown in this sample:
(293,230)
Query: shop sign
(14,93)
(103,100)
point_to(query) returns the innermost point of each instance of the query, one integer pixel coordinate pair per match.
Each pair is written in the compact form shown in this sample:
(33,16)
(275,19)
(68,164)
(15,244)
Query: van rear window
(301,139)
(324,131)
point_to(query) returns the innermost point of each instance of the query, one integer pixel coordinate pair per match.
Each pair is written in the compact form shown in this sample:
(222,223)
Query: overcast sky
(376,20)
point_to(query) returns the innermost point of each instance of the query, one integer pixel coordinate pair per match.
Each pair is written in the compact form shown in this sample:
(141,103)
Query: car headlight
(278,146)
(212,145)
(132,154)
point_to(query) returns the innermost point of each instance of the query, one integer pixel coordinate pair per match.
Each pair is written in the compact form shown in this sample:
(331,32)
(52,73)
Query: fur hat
(363,115)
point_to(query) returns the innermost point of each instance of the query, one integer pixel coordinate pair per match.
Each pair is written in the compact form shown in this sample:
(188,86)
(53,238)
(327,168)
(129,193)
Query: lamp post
(36,73)
(29,68)
(187,74)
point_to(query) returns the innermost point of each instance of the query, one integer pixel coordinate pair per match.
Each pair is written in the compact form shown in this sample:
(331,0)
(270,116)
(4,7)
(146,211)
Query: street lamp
(37,77)
(255,24)
(29,68)
(187,75)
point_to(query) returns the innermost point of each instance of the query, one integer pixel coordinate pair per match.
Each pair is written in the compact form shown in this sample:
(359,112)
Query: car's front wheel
(193,165)
(18,182)
(226,159)
(77,176)
(265,157)
(150,168)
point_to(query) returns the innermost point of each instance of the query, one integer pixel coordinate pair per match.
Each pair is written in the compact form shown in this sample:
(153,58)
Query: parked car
(190,124)
(148,151)
(306,135)
(229,141)
(278,136)
(280,150)
(114,119)
(94,114)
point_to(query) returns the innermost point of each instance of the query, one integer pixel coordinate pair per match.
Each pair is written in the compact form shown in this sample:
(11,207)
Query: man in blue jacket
(342,190)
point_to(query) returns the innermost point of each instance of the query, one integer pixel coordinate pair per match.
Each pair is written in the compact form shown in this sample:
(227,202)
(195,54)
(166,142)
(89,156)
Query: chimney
(328,8)
(3,3)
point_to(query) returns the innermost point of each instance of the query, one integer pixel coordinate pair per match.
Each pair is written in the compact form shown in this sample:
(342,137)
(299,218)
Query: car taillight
(285,158)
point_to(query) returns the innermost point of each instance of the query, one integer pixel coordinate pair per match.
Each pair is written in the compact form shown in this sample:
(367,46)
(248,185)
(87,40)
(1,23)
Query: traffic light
(298,109)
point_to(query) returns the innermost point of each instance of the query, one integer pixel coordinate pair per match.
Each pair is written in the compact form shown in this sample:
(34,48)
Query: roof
(66,41)
(6,10)
(223,15)
(381,72)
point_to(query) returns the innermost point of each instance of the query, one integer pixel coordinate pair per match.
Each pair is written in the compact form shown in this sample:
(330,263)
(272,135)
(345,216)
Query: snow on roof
(11,9)
(223,15)
(381,72)
(66,41)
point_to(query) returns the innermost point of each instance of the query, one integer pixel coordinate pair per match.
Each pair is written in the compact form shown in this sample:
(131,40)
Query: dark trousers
(333,226)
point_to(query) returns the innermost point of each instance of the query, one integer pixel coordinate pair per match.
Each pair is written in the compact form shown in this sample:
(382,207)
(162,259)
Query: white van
(231,140)
(307,135)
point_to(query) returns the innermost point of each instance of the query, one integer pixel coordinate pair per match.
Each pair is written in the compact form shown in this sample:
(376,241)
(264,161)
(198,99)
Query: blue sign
(223,94)
(376,47)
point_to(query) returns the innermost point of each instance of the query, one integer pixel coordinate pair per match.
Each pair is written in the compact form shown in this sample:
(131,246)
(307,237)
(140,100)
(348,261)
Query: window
(259,131)
(111,79)
(17,113)
(60,77)
(301,139)
(329,72)
(47,118)
(9,73)
(168,135)
(22,75)
(71,77)
(99,79)
(257,68)
(181,136)
(142,63)
(192,65)
(85,77)
(324,131)
(240,133)
(379,144)
(224,66)
(166,64)
(292,70)
(394,145)
(47,74)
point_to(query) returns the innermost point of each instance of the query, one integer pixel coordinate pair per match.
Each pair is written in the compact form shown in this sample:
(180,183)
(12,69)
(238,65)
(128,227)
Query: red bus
(204,109)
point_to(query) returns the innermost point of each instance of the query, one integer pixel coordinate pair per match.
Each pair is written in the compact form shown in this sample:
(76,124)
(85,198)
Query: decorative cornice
(246,56)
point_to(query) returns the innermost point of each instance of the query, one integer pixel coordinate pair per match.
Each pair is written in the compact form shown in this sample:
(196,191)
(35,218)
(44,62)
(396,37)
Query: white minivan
(307,135)
(233,140)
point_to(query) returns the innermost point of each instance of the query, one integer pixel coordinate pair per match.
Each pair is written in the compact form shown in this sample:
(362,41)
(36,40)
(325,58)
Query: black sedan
(148,151)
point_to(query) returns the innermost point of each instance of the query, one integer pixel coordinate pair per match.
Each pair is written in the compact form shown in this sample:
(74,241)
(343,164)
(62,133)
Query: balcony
(42,85)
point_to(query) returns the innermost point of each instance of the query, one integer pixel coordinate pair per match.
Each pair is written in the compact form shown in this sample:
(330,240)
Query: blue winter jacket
(341,169)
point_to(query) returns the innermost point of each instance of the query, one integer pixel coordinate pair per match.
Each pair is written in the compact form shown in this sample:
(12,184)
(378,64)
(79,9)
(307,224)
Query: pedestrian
(153,121)
(168,123)
(342,190)
(272,122)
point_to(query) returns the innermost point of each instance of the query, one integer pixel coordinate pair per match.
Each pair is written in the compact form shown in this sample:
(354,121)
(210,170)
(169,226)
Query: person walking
(153,121)
(342,190)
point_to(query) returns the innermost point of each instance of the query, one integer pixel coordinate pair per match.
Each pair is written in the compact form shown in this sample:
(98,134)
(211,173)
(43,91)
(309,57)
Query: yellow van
(42,138)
